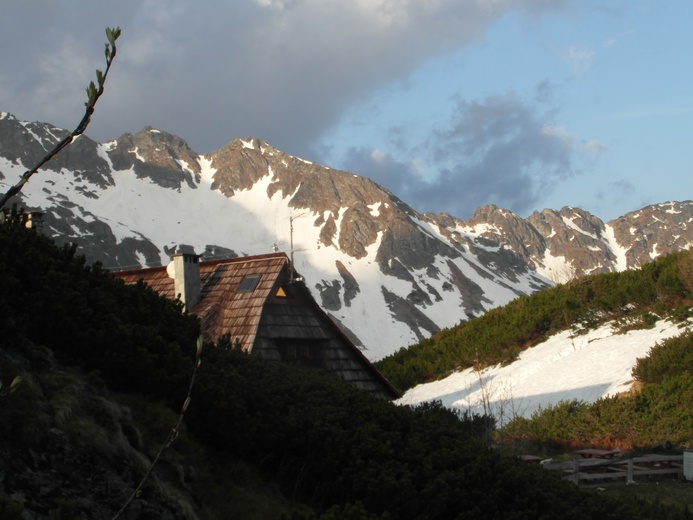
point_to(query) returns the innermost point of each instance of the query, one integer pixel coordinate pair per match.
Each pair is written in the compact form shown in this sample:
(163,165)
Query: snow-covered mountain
(389,275)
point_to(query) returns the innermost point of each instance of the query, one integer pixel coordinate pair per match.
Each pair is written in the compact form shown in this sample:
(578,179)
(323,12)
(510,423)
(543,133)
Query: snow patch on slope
(569,223)
(479,229)
(619,252)
(586,368)
(367,312)
(556,268)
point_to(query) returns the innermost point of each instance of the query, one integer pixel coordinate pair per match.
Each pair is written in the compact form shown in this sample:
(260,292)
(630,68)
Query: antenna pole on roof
(292,270)
(291,248)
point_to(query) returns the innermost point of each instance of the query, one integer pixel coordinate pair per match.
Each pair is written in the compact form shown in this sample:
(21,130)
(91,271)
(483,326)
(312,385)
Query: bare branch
(93,95)
(172,435)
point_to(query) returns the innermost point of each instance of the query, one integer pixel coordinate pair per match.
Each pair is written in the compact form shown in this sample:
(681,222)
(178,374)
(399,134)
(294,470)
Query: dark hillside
(134,338)
(104,368)
(664,287)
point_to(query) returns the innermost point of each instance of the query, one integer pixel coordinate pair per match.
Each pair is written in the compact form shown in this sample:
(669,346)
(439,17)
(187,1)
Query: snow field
(586,367)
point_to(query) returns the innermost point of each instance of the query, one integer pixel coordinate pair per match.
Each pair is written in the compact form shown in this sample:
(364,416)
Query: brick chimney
(185,271)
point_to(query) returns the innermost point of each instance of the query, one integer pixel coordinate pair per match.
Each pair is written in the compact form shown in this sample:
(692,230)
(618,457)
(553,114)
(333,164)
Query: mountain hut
(265,309)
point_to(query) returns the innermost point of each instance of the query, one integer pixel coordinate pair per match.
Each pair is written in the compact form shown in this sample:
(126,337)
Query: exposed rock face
(351,286)
(501,226)
(654,231)
(583,243)
(332,292)
(386,273)
(406,308)
(237,167)
(24,144)
(164,158)
(576,235)
(572,234)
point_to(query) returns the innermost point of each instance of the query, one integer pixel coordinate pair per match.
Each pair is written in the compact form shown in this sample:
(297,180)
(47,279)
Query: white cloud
(559,132)
(594,147)
(571,141)
(377,156)
(580,58)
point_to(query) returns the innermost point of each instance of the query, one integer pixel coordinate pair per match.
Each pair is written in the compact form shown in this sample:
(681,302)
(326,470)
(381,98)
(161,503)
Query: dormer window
(249,283)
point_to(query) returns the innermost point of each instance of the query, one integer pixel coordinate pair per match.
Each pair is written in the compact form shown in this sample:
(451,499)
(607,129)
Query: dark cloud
(500,150)
(281,70)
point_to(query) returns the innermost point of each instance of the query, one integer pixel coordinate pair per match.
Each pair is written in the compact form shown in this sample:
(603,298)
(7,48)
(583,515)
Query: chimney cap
(185,255)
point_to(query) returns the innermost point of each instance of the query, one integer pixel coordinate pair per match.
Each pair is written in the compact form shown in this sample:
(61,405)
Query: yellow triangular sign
(281,293)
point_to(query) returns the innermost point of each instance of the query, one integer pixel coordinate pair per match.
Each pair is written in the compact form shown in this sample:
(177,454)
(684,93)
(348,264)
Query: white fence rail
(629,470)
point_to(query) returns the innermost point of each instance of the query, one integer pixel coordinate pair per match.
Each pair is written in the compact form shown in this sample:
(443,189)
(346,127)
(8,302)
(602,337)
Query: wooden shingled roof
(257,303)
(223,307)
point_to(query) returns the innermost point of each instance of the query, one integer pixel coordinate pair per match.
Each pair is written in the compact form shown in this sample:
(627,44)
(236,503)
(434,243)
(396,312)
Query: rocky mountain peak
(505,227)
(388,274)
(164,158)
(654,230)
(575,235)
(24,143)
(349,210)
(239,165)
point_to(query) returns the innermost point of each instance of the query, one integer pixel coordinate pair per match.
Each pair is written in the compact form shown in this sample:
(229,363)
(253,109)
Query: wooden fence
(630,470)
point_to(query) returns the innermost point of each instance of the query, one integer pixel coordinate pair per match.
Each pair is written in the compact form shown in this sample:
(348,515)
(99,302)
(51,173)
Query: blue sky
(450,104)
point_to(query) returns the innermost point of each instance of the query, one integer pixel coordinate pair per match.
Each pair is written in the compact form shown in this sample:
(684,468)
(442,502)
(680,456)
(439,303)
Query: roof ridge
(213,262)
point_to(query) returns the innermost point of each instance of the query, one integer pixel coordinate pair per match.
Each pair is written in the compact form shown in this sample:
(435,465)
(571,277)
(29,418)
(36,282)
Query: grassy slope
(657,413)
(663,286)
